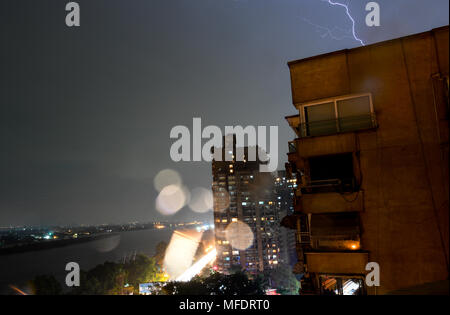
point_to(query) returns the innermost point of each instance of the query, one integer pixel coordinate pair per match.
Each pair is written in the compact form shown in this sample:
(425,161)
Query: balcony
(335,120)
(344,185)
(336,126)
(327,145)
(332,202)
(294,122)
(333,232)
(340,114)
(332,196)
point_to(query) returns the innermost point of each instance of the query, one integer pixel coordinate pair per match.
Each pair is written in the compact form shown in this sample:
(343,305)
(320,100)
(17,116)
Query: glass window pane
(320,119)
(354,113)
(354,106)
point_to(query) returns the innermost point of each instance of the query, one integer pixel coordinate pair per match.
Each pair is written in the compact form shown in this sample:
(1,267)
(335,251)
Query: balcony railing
(334,126)
(330,185)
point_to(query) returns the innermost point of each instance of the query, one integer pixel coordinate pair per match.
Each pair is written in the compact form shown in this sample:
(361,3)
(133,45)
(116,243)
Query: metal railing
(344,185)
(334,126)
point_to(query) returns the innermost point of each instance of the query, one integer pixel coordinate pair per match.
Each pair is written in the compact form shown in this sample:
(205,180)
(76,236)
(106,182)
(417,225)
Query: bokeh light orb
(165,178)
(105,245)
(239,235)
(201,200)
(171,199)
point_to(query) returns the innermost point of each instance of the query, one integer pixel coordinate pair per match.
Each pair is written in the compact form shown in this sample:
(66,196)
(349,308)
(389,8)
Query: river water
(17,269)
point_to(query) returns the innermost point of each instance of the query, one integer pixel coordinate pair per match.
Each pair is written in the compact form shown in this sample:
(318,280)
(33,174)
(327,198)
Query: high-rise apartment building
(371,164)
(284,193)
(245,215)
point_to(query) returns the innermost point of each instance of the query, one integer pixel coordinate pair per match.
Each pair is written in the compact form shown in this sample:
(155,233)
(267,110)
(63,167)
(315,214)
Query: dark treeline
(112,278)
(109,278)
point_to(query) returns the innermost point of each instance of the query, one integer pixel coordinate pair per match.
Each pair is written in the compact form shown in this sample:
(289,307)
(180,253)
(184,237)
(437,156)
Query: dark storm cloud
(86,113)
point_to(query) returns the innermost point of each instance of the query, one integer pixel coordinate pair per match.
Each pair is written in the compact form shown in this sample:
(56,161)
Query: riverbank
(18,268)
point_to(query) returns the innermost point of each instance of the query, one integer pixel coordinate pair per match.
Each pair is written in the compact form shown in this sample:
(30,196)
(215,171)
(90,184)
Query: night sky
(86,112)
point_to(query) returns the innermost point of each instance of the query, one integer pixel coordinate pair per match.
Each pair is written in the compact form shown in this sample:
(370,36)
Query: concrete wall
(337,263)
(404,162)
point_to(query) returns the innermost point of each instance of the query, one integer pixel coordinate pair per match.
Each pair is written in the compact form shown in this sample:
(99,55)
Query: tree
(104,279)
(283,280)
(110,275)
(111,278)
(217,284)
(193,287)
(142,269)
(88,285)
(45,285)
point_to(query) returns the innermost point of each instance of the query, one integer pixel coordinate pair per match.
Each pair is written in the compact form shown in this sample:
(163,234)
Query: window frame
(302,109)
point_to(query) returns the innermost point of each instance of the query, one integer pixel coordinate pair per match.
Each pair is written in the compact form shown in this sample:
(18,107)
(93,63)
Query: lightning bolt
(347,10)
(325,31)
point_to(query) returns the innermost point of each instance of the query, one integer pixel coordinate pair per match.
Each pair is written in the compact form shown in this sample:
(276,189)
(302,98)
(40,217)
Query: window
(341,285)
(354,113)
(340,114)
(320,119)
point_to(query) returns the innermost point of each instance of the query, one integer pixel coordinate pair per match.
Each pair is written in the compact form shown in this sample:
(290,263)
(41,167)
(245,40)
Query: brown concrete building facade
(371,160)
